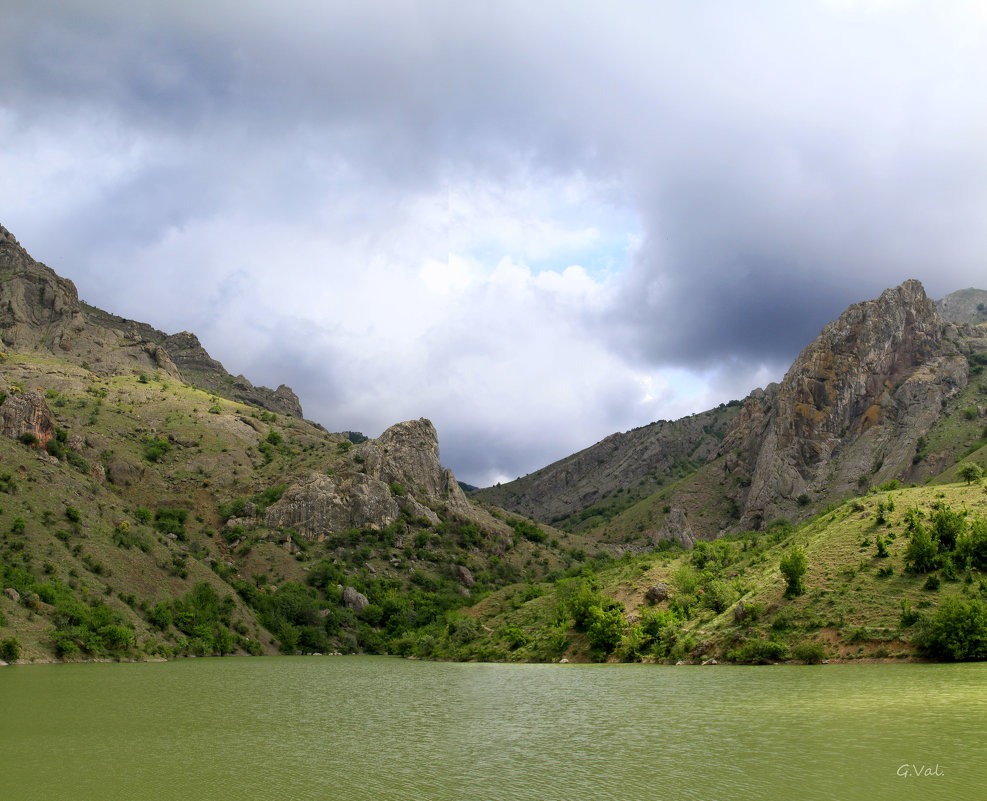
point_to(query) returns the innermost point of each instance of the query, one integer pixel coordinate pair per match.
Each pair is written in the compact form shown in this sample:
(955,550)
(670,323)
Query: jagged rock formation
(964,306)
(637,461)
(400,470)
(40,310)
(408,454)
(850,409)
(27,413)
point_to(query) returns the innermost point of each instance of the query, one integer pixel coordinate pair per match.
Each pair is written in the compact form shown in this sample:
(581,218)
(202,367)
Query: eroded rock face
(853,404)
(323,505)
(408,454)
(27,413)
(367,495)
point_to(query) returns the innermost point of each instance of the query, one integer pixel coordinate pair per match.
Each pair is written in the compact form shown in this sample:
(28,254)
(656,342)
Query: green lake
(387,728)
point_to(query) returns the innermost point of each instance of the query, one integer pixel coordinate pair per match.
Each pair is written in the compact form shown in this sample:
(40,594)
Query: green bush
(957,631)
(759,652)
(794,565)
(10,650)
(812,653)
(922,554)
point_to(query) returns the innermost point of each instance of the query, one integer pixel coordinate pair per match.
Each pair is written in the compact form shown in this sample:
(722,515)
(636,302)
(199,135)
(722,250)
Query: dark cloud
(209,165)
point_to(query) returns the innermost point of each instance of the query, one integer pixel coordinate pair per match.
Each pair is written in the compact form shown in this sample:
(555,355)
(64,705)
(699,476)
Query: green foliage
(922,553)
(957,631)
(759,652)
(812,653)
(171,521)
(528,530)
(970,472)
(155,449)
(606,626)
(274,438)
(10,649)
(794,565)
(397,489)
(29,439)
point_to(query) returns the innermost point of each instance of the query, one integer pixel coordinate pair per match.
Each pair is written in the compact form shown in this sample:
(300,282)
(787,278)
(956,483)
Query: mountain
(882,393)
(153,505)
(965,306)
(40,310)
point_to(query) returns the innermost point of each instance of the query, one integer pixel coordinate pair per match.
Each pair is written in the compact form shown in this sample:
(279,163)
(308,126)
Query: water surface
(385,728)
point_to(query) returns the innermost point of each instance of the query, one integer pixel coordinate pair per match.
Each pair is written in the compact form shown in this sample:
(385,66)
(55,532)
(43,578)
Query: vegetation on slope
(121,538)
(899,573)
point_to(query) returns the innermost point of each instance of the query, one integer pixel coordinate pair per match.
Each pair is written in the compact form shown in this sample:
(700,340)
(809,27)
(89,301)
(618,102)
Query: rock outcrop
(408,454)
(39,310)
(399,471)
(850,409)
(27,413)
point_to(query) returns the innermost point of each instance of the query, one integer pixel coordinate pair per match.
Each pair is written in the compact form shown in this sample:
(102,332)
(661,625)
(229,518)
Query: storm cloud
(534,223)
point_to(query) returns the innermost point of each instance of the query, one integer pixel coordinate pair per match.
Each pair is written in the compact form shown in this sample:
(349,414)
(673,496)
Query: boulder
(27,413)
(465,576)
(657,592)
(357,601)
(11,593)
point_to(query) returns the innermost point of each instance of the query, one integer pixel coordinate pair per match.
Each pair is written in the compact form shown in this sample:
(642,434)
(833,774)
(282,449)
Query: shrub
(794,565)
(957,631)
(921,555)
(812,653)
(759,652)
(29,439)
(10,650)
(274,438)
(156,449)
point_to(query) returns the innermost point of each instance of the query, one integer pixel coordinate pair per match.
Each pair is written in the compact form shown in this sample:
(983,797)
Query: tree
(970,472)
(794,565)
(922,553)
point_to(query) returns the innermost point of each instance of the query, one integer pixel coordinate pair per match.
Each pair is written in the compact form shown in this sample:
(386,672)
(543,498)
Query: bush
(957,631)
(759,652)
(812,653)
(970,473)
(156,449)
(794,565)
(10,650)
(922,554)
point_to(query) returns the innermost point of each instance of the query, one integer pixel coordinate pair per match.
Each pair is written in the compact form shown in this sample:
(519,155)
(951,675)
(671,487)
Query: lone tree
(970,472)
(793,567)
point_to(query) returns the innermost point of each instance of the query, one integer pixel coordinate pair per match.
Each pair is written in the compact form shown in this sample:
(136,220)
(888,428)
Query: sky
(535,223)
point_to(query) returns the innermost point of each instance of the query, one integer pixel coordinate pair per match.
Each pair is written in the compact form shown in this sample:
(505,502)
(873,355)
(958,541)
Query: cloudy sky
(534,222)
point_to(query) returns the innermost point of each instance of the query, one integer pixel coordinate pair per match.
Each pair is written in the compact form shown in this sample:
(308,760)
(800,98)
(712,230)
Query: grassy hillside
(115,543)
(867,593)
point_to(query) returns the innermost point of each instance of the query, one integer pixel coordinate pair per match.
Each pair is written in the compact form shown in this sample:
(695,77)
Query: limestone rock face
(36,305)
(408,454)
(852,405)
(27,413)
(322,505)
(677,527)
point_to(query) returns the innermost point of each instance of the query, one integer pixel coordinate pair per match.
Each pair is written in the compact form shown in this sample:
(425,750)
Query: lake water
(386,728)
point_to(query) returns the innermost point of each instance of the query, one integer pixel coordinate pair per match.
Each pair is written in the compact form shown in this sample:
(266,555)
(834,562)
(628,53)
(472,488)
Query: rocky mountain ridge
(853,410)
(40,310)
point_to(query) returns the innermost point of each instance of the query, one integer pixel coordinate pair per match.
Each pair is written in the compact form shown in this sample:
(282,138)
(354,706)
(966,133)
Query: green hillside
(896,574)
(120,539)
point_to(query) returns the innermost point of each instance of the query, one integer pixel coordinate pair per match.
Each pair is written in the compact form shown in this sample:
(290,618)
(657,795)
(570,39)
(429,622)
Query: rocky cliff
(850,410)
(39,310)
(397,472)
